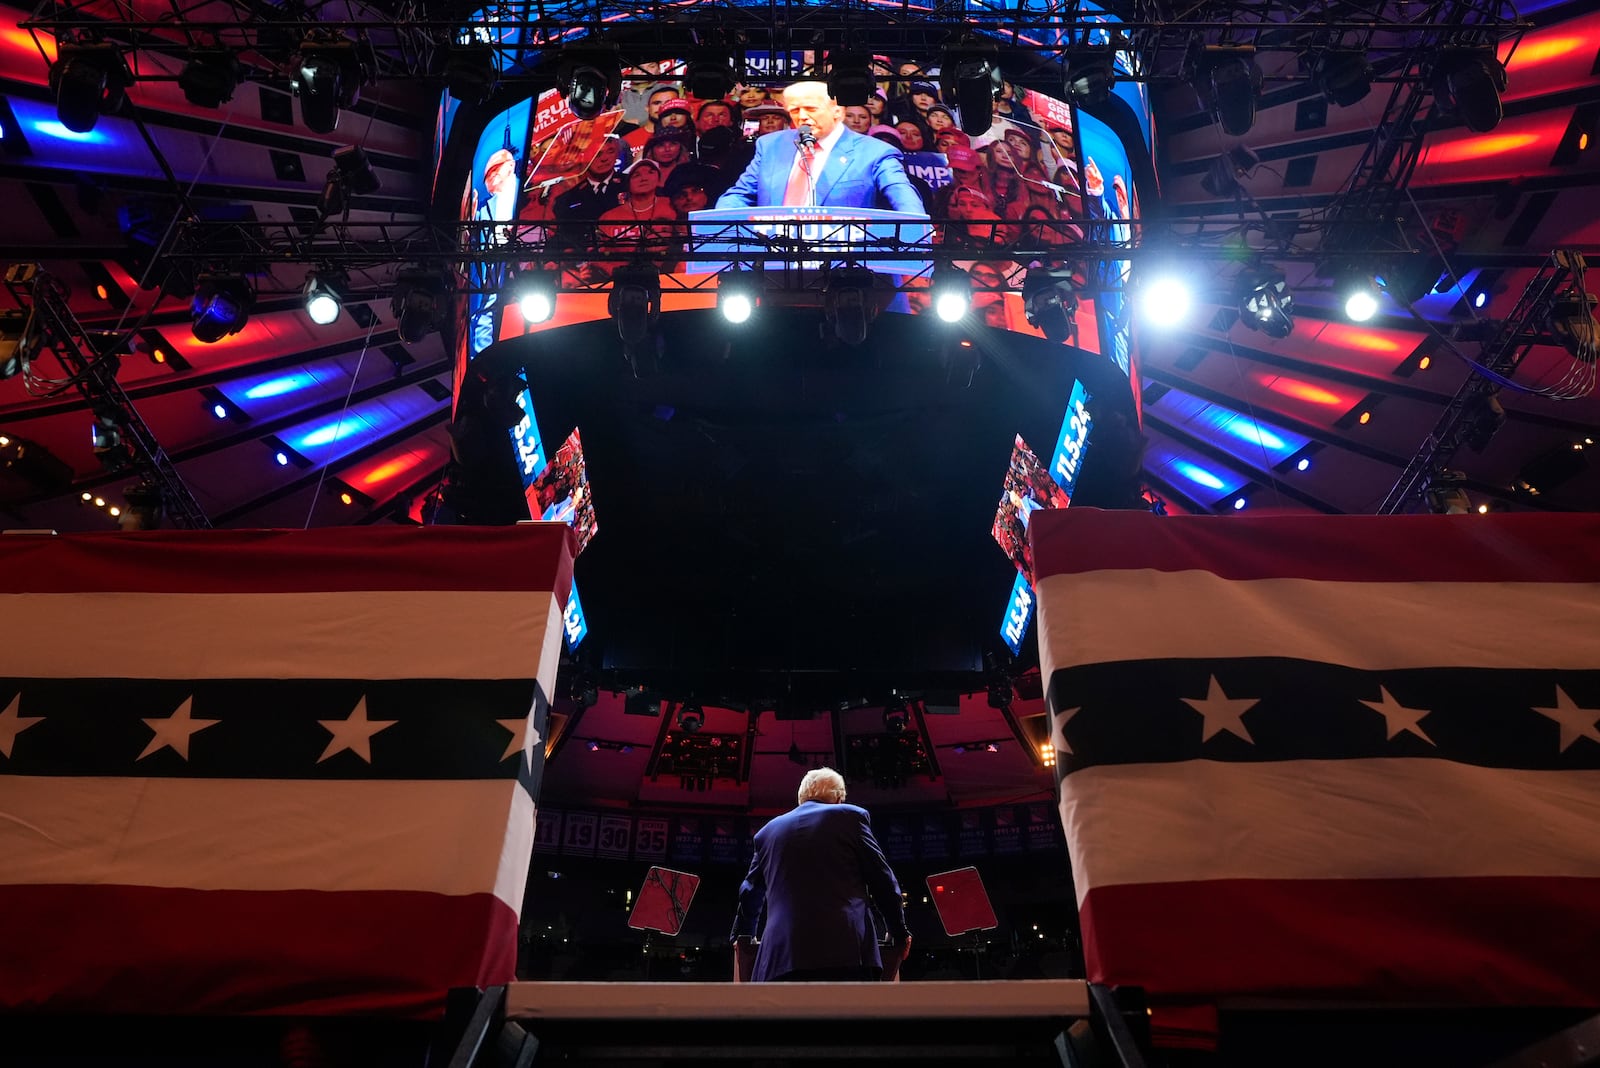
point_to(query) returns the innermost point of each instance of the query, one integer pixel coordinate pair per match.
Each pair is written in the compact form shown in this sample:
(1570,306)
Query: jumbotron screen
(633,183)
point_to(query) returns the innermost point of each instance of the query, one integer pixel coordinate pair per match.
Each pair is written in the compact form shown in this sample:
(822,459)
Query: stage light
(1222,177)
(848,305)
(145,507)
(691,717)
(1572,321)
(210,76)
(971,79)
(323,296)
(1050,302)
(105,437)
(418,302)
(1304,464)
(90,79)
(1342,75)
(951,289)
(1468,82)
(1239,504)
(1165,300)
(1360,301)
(471,69)
(220,411)
(351,175)
(850,80)
(221,306)
(589,78)
(1227,78)
(1445,495)
(327,76)
(895,719)
(1484,417)
(1090,75)
(737,294)
(635,302)
(709,74)
(283,459)
(1266,302)
(535,295)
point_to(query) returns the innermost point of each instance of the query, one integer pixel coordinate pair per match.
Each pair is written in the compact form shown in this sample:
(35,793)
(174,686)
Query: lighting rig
(121,438)
(1553,308)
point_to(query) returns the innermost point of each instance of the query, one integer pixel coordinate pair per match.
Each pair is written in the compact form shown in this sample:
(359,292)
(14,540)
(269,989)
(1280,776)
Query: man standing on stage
(813,869)
(822,163)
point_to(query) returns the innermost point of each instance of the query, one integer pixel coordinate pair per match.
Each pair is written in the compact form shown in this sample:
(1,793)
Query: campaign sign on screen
(1074,439)
(1019,613)
(832,234)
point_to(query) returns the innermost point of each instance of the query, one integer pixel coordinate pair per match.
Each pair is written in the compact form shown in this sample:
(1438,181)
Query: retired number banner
(270,771)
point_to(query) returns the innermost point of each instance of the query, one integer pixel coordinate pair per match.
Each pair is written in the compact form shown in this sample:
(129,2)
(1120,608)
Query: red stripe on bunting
(1413,548)
(529,558)
(139,949)
(1488,941)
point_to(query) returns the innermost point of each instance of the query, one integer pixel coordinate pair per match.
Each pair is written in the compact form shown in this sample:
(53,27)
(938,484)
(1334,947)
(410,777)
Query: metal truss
(93,372)
(1503,351)
(1037,35)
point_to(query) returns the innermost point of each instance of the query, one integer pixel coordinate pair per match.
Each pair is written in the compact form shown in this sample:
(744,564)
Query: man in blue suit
(822,162)
(813,869)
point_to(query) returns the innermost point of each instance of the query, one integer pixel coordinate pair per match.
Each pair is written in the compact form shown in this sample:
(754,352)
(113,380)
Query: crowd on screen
(1019,184)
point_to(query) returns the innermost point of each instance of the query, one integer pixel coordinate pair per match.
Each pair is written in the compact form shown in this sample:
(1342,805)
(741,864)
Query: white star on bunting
(523,734)
(1575,722)
(1399,717)
(1222,713)
(13,723)
(1058,733)
(354,732)
(175,731)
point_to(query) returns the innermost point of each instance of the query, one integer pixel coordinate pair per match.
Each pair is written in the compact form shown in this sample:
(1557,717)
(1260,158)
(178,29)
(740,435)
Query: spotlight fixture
(589,78)
(951,289)
(1572,321)
(1165,300)
(971,79)
(328,76)
(418,302)
(90,78)
(738,292)
(1360,300)
(105,437)
(1468,82)
(210,76)
(895,719)
(471,69)
(145,506)
(535,294)
(708,74)
(1090,75)
(1342,75)
(1265,303)
(1485,417)
(850,79)
(1445,495)
(323,295)
(351,175)
(221,306)
(1050,302)
(1227,77)
(1222,179)
(848,304)
(635,302)
(691,717)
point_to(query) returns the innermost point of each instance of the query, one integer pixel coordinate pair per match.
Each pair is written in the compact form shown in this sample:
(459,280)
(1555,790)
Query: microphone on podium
(805,136)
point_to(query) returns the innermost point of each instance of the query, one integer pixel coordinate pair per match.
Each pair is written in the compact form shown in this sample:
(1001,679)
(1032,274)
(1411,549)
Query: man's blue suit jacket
(861,172)
(811,873)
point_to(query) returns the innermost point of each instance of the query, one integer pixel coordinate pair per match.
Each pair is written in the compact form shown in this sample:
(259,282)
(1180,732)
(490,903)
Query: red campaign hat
(964,158)
(677,103)
(960,136)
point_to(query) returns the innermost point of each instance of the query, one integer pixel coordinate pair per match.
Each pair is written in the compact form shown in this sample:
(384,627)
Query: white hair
(822,784)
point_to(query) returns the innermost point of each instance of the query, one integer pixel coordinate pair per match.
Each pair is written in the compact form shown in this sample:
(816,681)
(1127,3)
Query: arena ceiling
(288,424)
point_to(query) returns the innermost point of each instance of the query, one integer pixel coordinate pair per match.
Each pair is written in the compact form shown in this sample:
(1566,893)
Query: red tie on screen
(799,191)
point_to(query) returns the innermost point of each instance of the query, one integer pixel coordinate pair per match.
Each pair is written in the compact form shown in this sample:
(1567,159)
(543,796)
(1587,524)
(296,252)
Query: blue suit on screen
(860,172)
(813,869)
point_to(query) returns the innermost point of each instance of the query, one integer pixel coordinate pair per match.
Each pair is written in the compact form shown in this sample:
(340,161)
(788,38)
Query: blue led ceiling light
(1197,474)
(277,387)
